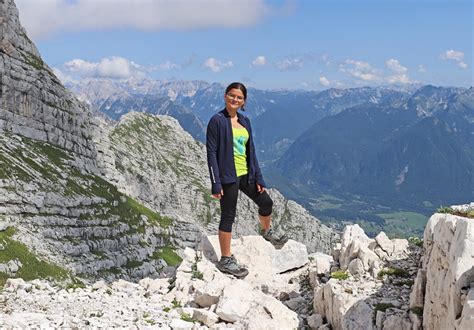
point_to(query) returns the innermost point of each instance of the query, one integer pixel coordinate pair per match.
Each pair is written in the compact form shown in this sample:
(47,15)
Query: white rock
(178,324)
(315,321)
(353,237)
(379,319)
(99,285)
(14,284)
(400,247)
(356,267)
(206,317)
(448,263)
(258,254)
(397,322)
(466,321)
(320,262)
(417,295)
(235,302)
(384,242)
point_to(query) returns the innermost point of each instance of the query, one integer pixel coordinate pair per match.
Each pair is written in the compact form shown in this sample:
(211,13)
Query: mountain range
(346,154)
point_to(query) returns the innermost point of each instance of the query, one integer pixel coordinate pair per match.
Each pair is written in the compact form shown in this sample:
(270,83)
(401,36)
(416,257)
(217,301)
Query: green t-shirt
(240,137)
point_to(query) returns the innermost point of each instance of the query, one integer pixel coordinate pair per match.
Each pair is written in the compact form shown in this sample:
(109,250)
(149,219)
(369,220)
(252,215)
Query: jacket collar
(226,114)
(240,118)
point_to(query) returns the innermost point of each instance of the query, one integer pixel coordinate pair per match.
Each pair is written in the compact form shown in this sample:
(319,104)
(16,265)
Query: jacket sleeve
(258,171)
(212,144)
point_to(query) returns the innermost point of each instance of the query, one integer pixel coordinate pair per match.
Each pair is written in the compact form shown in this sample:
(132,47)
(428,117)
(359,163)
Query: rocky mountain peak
(13,36)
(33,102)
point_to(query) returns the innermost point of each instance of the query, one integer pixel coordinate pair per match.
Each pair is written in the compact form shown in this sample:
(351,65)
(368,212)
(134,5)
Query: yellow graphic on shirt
(240,138)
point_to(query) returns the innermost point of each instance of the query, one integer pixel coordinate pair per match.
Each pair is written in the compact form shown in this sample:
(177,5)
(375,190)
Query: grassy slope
(47,168)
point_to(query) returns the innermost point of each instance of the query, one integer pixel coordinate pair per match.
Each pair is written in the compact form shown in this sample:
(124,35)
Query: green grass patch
(382,307)
(415,241)
(394,271)
(33,60)
(403,223)
(448,210)
(133,264)
(176,304)
(100,254)
(340,275)
(168,254)
(76,284)
(152,216)
(109,271)
(32,266)
(417,310)
(188,318)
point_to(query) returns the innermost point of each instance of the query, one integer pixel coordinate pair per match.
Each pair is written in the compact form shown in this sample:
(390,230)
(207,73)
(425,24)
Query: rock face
(33,101)
(447,275)
(371,290)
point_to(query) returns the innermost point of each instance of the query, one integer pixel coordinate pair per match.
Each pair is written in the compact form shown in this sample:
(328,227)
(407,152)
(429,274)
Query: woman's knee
(227,220)
(266,207)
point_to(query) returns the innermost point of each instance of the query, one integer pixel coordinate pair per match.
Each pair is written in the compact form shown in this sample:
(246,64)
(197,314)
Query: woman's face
(234,99)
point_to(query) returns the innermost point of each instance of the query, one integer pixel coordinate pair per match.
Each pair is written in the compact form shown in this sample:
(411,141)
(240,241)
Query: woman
(233,166)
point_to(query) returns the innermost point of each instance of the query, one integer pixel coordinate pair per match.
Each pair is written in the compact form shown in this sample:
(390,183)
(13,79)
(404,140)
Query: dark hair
(238,85)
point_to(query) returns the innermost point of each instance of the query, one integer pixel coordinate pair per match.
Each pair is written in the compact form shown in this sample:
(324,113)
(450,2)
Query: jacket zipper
(213,177)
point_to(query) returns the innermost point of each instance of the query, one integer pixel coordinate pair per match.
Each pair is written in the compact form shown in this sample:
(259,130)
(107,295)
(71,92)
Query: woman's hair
(238,85)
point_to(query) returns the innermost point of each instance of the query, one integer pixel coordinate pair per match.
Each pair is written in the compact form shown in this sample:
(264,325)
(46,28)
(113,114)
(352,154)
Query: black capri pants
(229,201)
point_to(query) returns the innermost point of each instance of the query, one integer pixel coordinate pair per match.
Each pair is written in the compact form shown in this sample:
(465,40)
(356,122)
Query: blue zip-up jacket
(220,152)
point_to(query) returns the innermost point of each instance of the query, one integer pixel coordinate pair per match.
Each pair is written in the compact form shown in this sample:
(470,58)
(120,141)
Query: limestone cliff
(444,287)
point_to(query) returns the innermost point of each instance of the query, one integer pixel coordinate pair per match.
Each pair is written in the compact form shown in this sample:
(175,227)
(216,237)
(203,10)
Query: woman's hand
(260,188)
(218,196)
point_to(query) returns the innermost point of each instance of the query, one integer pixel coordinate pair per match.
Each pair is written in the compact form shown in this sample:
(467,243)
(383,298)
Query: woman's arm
(212,143)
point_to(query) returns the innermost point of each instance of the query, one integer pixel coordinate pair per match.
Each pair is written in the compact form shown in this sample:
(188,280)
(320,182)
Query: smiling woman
(233,166)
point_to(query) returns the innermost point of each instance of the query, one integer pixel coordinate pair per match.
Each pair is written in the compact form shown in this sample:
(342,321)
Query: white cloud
(453,55)
(395,66)
(324,81)
(217,66)
(65,78)
(325,59)
(456,56)
(114,67)
(361,70)
(400,73)
(421,68)
(259,61)
(290,64)
(168,65)
(80,66)
(44,18)
(365,72)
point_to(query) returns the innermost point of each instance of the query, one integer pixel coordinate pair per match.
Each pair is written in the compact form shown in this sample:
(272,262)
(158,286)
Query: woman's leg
(228,264)
(228,207)
(265,221)
(265,205)
(263,200)
(224,242)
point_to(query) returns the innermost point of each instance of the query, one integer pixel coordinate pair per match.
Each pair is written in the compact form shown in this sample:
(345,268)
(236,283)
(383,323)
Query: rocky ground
(378,283)
(284,290)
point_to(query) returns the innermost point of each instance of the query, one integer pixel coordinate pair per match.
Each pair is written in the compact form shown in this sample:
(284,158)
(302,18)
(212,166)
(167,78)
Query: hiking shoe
(277,240)
(229,265)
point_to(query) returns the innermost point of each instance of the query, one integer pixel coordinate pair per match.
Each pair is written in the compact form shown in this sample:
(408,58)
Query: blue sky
(311,45)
